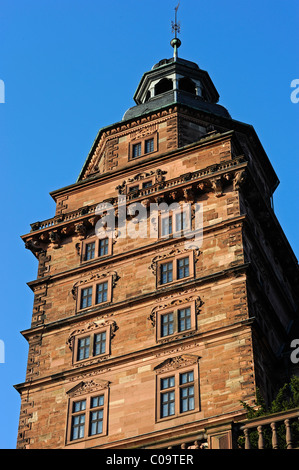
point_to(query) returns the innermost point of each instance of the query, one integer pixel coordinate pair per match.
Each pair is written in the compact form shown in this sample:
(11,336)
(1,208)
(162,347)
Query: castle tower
(150,334)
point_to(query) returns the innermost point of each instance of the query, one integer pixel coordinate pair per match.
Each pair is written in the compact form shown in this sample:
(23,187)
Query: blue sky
(71,67)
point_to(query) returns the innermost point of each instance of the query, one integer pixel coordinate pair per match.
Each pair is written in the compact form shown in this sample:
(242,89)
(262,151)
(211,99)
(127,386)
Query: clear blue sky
(71,67)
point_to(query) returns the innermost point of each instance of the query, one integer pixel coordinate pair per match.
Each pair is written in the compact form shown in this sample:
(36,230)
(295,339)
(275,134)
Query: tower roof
(175,81)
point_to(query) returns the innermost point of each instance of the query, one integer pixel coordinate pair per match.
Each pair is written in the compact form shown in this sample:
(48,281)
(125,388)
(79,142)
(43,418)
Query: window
(149,146)
(175,322)
(87,417)
(176,221)
(78,420)
(166,225)
(147,184)
(83,348)
(95,293)
(141,185)
(92,341)
(178,393)
(89,251)
(96,248)
(181,267)
(166,272)
(86,297)
(103,246)
(136,150)
(102,292)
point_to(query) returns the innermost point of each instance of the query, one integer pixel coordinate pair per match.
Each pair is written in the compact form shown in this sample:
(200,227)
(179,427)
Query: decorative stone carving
(239,179)
(177,362)
(86,387)
(90,327)
(174,252)
(54,238)
(80,230)
(217,186)
(92,278)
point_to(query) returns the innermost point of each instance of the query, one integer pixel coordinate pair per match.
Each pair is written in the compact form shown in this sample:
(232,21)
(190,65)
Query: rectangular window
(168,397)
(183,267)
(96,248)
(175,322)
(89,251)
(167,324)
(184,319)
(102,293)
(149,145)
(147,184)
(187,402)
(99,343)
(83,348)
(95,344)
(86,297)
(96,415)
(103,246)
(178,268)
(94,294)
(178,393)
(78,420)
(137,150)
(180,221)
(87,417)
(166,272)
(166,226)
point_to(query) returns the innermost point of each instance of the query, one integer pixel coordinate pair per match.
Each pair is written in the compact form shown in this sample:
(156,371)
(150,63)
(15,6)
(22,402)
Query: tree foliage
(287,398)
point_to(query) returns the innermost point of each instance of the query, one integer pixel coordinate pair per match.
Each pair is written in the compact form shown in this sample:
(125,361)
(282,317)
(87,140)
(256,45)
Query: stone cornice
(110,260)
(205,176)
(157,350)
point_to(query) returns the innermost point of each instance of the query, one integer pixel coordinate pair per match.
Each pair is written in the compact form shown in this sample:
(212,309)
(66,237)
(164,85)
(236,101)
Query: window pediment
(177,362)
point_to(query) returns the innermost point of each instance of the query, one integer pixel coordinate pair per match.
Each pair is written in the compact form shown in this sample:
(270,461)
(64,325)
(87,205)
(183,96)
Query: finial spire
(176,28)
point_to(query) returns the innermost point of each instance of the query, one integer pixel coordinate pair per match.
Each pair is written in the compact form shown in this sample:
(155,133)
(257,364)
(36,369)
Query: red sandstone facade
(103,370)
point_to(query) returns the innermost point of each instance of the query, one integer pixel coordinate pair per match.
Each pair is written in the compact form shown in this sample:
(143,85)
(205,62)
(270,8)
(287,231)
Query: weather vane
(176,27)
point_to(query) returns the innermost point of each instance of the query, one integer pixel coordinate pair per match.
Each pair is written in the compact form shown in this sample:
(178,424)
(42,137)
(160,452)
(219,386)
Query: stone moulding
(177,362)
(90,327)
(87,387)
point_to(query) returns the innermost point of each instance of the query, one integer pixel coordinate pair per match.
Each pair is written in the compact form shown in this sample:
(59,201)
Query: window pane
(183,267)
(149,145)
(167,324)
(136,150)
(86,297)
(78,426)
(167,383)
(103,247)
(184,319)
(97,401)
(181,221)
(102,292)
(79,406)
(147,184)
(90,251)
(100,343)
(167,404)
(83,348)
(166,273)
(96,422)
(166,225)
(187,399)
(187,377)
